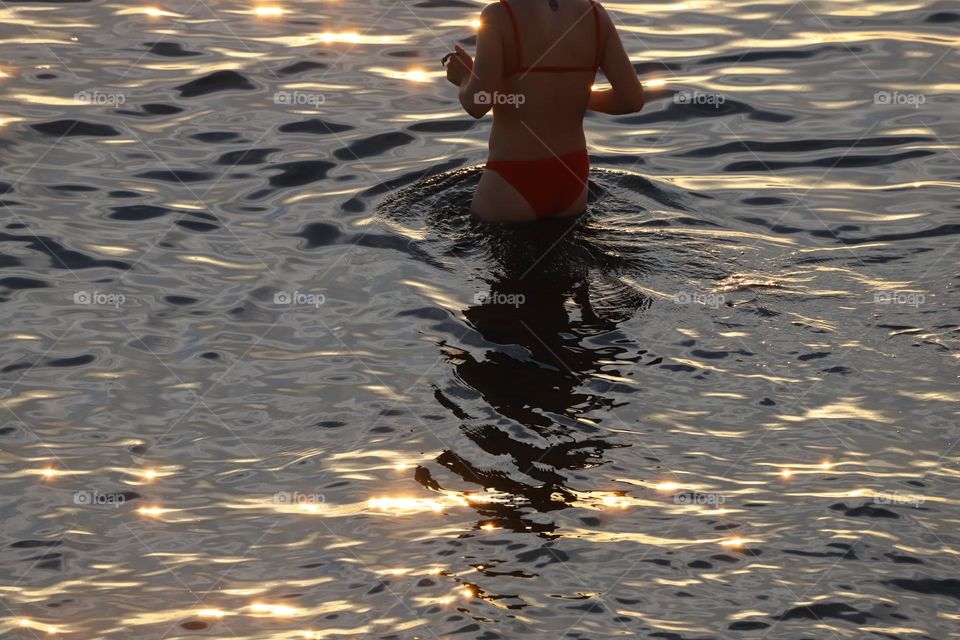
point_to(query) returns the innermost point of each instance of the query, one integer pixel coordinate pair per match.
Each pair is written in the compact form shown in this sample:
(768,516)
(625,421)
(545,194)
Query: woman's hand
(460,66)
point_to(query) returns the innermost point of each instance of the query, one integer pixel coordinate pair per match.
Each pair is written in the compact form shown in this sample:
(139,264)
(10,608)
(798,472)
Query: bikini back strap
(516,33)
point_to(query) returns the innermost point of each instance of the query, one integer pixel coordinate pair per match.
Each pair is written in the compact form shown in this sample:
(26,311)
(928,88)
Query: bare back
(535,67)
(547,80)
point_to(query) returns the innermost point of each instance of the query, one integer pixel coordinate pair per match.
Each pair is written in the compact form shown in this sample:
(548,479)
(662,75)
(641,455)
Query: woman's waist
(526,143)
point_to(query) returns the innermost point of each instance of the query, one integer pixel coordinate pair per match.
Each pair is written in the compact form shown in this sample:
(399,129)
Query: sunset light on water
(451,319)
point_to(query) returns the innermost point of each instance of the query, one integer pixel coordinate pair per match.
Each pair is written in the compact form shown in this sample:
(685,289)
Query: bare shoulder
(605,18)
(495,20)
(606,22)
(494,13)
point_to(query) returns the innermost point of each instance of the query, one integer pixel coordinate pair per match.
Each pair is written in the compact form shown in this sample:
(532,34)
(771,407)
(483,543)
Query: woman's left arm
(486,73)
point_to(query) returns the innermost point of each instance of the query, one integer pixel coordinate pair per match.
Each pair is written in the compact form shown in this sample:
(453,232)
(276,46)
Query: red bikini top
(519,68)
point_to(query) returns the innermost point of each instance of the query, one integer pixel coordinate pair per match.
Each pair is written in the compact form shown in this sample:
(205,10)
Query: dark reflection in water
(759,311)
(535,320)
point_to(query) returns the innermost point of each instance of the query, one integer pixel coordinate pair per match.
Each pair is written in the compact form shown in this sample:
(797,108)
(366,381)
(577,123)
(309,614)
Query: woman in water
(535,67)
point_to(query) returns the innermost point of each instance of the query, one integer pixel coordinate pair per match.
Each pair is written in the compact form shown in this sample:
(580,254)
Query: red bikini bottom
(549,185)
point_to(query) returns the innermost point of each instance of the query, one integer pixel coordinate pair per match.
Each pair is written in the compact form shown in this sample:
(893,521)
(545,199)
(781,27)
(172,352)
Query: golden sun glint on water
(737,542)
(27,623)
(329,37)
(401,505)
(148,475)
(417,75)
(278,610)
(619,502)
(667,486)
(266,11)
(604,434)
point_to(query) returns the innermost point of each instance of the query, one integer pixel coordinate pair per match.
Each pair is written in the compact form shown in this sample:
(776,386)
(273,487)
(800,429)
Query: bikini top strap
(599,43)
(516,33)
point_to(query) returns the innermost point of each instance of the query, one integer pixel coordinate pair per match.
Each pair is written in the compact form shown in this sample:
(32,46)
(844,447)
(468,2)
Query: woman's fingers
(458,54)
(464,59)
(459,64)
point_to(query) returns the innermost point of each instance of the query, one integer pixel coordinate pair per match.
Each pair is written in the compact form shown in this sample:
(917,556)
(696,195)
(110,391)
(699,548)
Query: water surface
(263,377)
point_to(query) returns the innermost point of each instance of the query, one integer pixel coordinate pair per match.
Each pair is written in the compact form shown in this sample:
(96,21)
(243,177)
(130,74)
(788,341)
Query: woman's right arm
(626,94)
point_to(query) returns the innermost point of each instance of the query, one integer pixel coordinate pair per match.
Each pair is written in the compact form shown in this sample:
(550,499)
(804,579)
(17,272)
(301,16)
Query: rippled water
(263,377)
